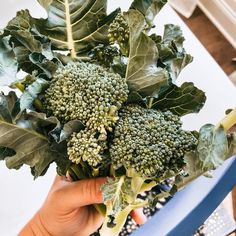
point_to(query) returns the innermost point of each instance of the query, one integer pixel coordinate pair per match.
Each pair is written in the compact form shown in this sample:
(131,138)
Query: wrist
(34,227)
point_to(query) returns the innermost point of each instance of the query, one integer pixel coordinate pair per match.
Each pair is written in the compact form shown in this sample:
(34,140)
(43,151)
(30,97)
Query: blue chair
(190,207)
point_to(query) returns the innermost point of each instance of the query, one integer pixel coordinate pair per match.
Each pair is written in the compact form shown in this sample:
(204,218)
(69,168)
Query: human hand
(67,210)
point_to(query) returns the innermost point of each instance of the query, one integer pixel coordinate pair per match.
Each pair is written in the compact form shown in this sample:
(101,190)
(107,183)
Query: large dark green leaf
(212,147)
(180,100)
(20,143)
(176,65)
(8,62)
(172,54)
(212,150)
(76,25)
(23,29)
(9,107)
(41,123)
(173,40)
(31,48)
(149,8)
(31,148)
(142,74)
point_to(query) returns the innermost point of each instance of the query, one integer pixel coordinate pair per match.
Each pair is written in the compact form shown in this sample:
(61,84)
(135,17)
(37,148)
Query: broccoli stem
(101,208)
(20,86)
(229,120)
(120,219)
(76,173)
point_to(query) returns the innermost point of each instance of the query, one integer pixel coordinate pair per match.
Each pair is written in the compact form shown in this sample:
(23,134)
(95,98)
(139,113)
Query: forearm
(34,228)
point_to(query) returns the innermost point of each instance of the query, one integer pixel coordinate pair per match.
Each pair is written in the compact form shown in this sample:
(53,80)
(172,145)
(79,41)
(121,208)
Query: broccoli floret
(88,146)
(86,92)
(104,54)
(118,32)
(150,142)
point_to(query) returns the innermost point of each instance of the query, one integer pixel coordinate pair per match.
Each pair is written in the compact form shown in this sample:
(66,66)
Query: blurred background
(214,23)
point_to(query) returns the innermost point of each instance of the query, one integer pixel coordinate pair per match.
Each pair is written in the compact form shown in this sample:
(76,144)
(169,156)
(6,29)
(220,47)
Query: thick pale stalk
(120,221)
(229,120)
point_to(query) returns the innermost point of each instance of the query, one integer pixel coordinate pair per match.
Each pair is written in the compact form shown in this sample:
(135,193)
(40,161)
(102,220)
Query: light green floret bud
(150,142)
(85,146)
(118,32)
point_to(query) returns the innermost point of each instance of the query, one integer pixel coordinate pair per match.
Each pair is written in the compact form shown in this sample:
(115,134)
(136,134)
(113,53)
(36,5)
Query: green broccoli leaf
(172,54)
(232,144)
(173,33)
(6,152)
(180,100)
(31,148)
(32,49)
(213,149)
(173,40)
(120,200)
(42,124)
(149,8)
(136,98)
(9,107)
(48,67)
(76,25)
(20,143)
(8,62)
(32,92)
(142,74)
(69,128)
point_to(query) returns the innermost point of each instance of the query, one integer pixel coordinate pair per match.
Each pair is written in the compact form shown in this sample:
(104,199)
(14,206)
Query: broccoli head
(150,142)
(86,92)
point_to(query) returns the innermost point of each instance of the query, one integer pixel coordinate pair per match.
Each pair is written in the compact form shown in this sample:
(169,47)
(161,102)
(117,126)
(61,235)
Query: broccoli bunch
(150,142)
(118,32)
(91,94)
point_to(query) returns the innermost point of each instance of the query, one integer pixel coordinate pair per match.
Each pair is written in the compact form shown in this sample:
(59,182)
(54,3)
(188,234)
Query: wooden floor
(217,46)
(213,40)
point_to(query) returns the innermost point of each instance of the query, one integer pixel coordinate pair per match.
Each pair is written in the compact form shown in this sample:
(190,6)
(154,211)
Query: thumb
(82,192)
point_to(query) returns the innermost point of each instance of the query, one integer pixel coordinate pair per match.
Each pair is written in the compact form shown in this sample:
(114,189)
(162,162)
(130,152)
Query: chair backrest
(190,207)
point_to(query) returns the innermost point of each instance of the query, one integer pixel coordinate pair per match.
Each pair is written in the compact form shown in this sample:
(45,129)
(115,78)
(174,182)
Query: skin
(67,210)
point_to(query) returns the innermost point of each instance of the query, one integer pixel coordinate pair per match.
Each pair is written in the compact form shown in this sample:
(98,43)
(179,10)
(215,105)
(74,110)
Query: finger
(138,216)
(58,182)
(81,193)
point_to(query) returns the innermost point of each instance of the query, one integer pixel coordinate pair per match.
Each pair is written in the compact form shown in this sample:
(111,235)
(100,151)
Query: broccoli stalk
(228,121)
(120,199)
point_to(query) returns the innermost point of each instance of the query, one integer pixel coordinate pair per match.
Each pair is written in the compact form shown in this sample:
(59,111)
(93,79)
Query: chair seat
(190,207)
